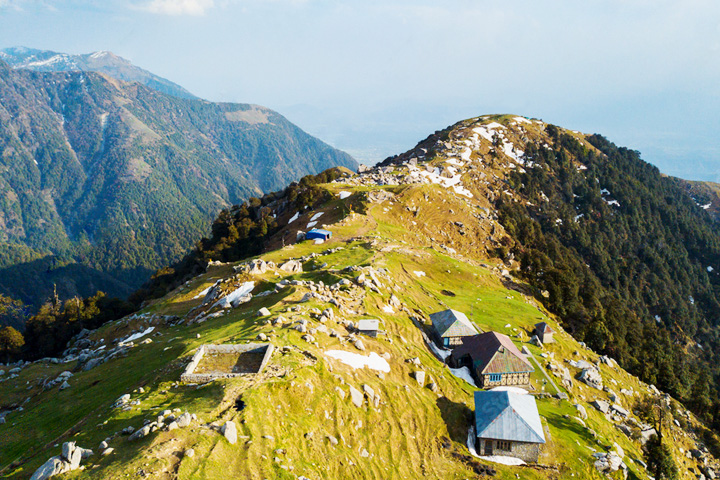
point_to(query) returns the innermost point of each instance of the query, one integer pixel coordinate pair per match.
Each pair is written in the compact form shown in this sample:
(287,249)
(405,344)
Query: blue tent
(318,233)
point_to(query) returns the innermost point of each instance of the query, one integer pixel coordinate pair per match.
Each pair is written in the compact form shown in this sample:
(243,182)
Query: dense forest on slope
(104,181)
(626,258)
(237,233)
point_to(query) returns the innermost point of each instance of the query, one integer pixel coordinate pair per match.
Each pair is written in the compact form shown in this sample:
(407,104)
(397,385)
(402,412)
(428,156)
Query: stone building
(544,332)
(450,327)
(508,424)
(493,360)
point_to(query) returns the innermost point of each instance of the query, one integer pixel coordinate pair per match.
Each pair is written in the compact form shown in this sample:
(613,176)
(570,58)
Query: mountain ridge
(122,178)
(101,62)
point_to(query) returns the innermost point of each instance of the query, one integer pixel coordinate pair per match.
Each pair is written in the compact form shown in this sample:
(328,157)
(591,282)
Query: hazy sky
(375,77)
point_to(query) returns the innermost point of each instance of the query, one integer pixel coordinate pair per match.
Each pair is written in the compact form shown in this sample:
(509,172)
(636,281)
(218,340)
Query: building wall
(505,379)
(547,338)
(529,452)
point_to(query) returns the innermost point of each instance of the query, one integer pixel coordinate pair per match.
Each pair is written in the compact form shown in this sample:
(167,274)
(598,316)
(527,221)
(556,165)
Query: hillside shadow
(34,282)
(457,418)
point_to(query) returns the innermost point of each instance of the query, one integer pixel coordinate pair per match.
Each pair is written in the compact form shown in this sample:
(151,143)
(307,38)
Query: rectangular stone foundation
(254,353)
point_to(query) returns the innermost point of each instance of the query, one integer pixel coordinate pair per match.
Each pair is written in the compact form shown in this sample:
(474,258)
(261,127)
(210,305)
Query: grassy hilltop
(422,247)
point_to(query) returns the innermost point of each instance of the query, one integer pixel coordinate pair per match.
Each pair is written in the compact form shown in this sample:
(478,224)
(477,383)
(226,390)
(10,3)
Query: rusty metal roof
(493,352)
(543,328)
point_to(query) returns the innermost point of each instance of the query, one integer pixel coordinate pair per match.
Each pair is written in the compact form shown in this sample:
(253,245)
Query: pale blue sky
(375,77)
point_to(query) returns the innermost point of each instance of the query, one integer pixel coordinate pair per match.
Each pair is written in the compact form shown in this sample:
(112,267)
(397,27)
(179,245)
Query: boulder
(333,441)
(601,405)
(257,267)
(184,420)
(189,453)
(107,451)
(54,466)
(291,266)
(581,411)
(359,344)
(356,397)
(229,430)
(263,312)
(420,377)
(262,337)
(140,433)
(591,376)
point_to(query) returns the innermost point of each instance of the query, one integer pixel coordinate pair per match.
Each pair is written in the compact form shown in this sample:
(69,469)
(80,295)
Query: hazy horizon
(373,78)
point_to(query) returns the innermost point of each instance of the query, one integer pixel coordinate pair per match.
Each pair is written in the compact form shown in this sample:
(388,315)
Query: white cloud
(178,7)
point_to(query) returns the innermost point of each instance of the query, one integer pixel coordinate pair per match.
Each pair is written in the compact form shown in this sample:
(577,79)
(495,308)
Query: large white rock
(229,430)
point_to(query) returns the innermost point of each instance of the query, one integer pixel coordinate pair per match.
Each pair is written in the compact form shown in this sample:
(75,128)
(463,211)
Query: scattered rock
(291,266)
(356,396)
(189,453)
(333,441)
(263,312)
(229,430)
(601,405)
(420,377)
(359,344)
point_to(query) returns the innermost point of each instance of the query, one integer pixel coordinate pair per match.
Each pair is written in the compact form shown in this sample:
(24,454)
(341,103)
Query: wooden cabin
(493,359)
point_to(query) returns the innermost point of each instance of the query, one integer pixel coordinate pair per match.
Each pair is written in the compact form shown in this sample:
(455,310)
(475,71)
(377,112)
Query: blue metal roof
(320,231)
(507,416)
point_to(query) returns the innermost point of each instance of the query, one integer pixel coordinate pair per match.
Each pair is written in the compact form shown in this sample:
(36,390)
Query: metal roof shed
(368,327)
(317,233)
(505,415)
(450,325)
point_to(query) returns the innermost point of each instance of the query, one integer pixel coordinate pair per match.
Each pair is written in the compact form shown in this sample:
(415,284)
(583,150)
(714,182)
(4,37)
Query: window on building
(504,445)
(495,377)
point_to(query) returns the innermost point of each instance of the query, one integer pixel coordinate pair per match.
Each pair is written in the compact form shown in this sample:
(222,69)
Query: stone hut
(493,359)
(544,332)
(508,424)
(368,327)
(450,327)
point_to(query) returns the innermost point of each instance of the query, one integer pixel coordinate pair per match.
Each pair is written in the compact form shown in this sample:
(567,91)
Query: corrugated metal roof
(368,324)
(451,323)
(493,352)
(508,416)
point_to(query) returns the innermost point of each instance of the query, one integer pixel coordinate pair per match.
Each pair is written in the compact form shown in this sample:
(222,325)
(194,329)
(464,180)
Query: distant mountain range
(103,181)
(101,62)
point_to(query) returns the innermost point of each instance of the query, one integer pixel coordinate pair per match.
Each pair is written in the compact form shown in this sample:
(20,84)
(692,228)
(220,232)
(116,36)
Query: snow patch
(420,273)
(294,217)
(503,460)
(439,352)
(242,291)
(343,195)
(135,336)
(710,269)
(522,120)
(355,360)
(705,207)
(463,373)
(516,390)
(388,309)
(203,293)
(316,216)
(311,224)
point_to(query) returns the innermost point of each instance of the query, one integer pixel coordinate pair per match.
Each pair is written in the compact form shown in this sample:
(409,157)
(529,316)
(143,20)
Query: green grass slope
(423,262)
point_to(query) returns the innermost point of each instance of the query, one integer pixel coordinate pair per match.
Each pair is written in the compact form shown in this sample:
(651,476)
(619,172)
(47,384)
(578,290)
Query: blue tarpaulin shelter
(318,233)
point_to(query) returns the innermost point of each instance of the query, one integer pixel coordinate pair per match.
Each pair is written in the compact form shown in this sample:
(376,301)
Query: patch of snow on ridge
(311,225)
(343,195)
(522,120)
(316,216)
(355,360)
(294,217)
(420,273)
